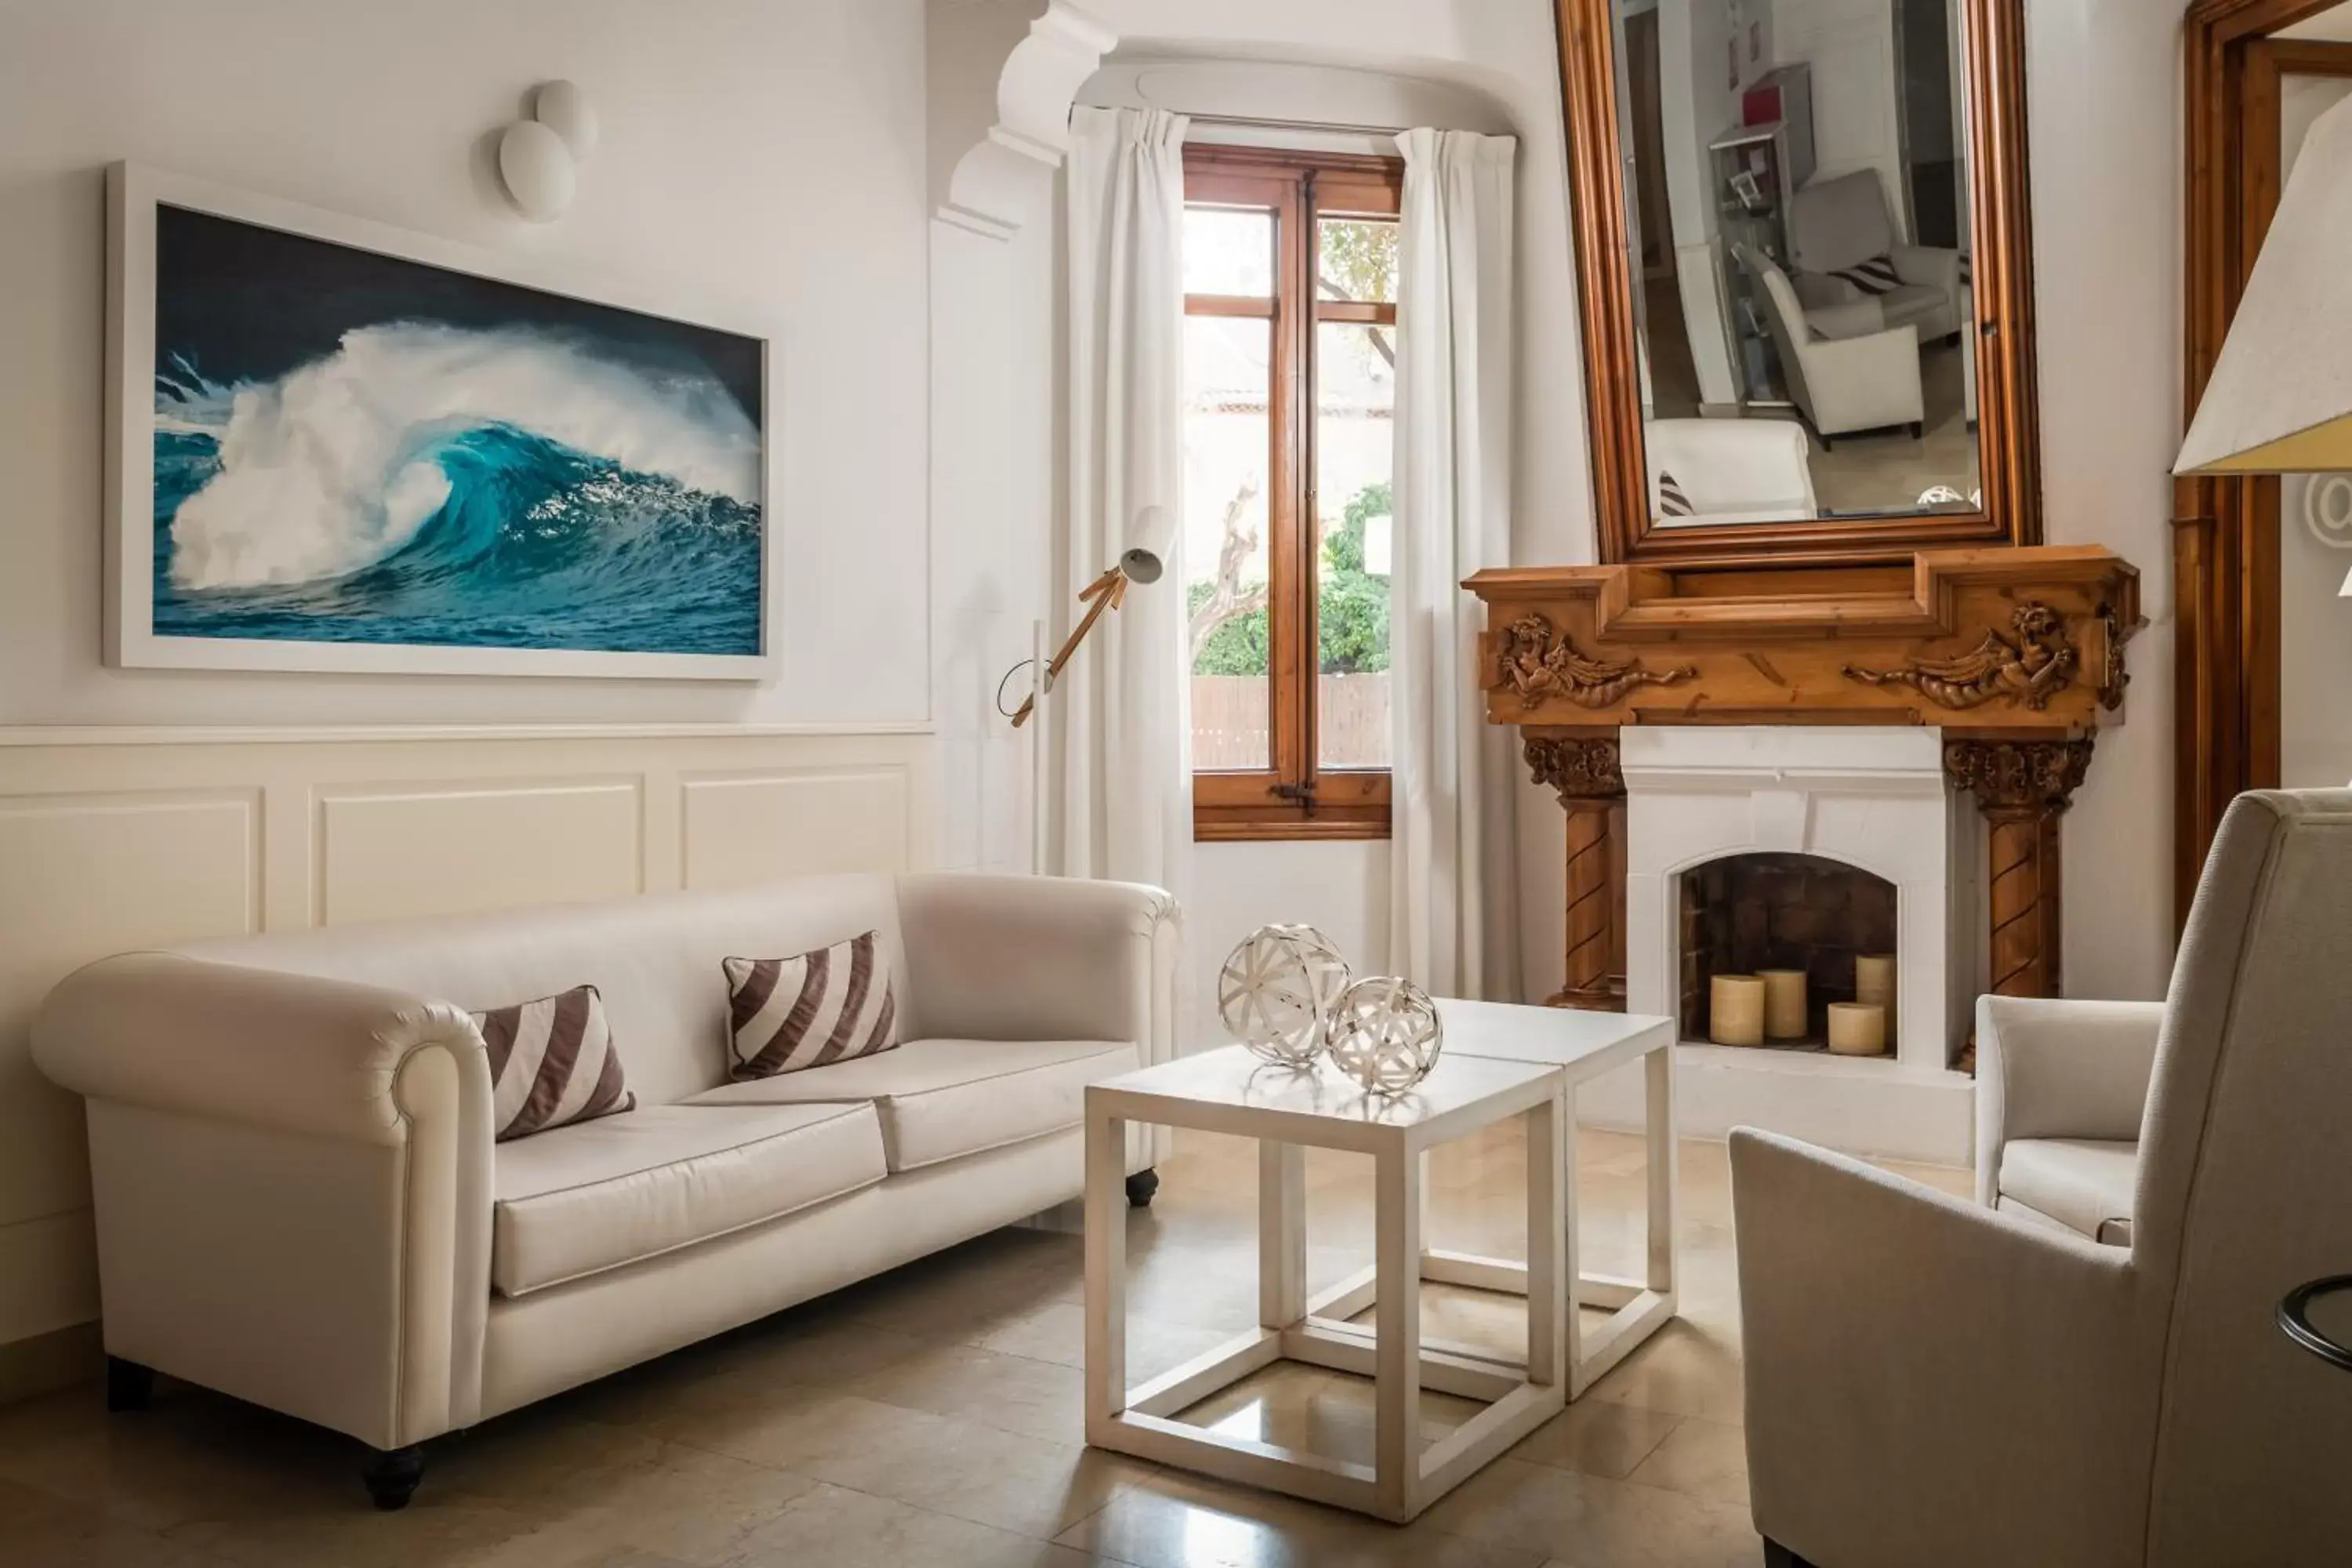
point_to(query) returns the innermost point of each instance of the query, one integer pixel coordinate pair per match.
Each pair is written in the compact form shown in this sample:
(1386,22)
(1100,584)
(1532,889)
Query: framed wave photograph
(337,446)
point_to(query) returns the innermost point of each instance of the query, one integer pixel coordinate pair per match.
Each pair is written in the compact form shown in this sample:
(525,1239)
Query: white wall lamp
(1151,541)
(540,158)
(2280,399)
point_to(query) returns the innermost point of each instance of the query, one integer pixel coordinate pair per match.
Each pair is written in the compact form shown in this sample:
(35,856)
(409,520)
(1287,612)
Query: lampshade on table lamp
(2280,398)
(1150,545)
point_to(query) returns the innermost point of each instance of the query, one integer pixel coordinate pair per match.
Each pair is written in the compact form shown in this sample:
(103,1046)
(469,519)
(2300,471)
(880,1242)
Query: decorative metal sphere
(1276,989)
(1385,1034)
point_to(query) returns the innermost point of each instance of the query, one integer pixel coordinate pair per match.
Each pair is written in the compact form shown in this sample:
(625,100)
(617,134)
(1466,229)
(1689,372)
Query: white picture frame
(134,193)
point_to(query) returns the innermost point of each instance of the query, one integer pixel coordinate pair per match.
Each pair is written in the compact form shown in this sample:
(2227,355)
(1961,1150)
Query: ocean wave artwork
(374,450)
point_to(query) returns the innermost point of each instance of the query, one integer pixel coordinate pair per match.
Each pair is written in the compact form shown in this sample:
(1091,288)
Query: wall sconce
(540,158)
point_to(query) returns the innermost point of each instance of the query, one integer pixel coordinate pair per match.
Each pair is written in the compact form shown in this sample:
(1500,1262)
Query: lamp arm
(1106,591)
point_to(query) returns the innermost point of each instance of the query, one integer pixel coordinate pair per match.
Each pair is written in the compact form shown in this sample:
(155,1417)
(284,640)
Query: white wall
(1849,45)
(770,156)
(1341,890)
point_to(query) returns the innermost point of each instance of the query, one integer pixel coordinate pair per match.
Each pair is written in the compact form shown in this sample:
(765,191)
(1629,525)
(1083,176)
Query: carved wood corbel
(1583,770)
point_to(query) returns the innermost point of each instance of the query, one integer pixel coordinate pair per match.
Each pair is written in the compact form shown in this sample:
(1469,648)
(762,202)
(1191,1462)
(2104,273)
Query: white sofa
(1731,470)
(299,1203)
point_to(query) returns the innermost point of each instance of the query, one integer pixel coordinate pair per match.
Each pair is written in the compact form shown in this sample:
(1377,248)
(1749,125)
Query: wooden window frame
(1295,798)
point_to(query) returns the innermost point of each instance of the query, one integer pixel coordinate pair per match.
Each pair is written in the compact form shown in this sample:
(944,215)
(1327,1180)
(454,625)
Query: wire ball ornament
(1276,989)
(1385,1034)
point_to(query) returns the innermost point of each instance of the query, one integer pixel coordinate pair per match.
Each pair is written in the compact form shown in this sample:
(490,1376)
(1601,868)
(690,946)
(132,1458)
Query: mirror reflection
(1797,202)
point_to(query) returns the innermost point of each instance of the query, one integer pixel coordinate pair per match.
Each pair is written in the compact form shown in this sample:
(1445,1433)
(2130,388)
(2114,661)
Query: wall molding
(346,734)
(993,191)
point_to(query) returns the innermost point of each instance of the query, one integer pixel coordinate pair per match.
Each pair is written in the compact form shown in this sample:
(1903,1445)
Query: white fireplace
(1715,808)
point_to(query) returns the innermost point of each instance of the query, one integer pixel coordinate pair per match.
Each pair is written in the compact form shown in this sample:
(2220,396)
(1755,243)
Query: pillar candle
(1784,1003)
(1874,980)
(1857,1028)
(1736,1017)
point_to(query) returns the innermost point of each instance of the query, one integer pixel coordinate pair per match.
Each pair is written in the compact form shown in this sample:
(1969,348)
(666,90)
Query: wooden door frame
(2225,530)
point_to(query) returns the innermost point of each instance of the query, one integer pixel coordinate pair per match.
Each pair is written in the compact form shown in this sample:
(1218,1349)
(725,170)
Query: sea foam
(333,467)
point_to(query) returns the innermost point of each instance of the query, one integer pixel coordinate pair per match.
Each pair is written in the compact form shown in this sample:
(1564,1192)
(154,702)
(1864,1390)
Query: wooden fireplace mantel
(2018,654)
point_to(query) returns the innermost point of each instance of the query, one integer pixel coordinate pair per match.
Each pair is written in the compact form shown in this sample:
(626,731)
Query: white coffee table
(1287,1111)
(1583,1046)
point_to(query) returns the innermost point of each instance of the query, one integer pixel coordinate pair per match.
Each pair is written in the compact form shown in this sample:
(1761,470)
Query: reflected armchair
(1839,227)
(1938,1384)
(1846,369)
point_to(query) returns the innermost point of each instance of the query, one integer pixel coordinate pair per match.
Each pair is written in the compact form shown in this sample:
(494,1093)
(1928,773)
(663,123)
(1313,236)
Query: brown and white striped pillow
(1673,499)
(823,1006)
(552,1063)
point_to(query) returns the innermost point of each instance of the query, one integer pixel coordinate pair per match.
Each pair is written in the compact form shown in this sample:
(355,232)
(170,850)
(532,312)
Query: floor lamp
(1142,561)
(2280,402)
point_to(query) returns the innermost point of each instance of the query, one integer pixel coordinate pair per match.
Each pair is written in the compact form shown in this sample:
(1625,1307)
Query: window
(1291,405)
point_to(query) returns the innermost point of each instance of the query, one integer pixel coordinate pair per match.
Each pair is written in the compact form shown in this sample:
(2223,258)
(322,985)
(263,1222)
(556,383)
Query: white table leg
(1105,1202)
(1397,1324)
(1281,1234)
(1571,1244)
(1548,1271)
(1665,1173)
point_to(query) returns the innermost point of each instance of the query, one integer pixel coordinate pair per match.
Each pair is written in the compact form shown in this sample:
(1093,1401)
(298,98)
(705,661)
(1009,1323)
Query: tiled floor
(930,1419)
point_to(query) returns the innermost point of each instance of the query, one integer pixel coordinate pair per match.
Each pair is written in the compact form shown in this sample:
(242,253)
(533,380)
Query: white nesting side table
(1289,1110)
(1582,1045)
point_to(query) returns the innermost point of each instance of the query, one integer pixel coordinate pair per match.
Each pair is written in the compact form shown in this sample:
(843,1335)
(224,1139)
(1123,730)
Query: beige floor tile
(1586,1521)
(1038,1398)
(1191,1524)
(1701,1459)
(1598,1438)
(1330,1414)
(832,1526)
(1685,1370)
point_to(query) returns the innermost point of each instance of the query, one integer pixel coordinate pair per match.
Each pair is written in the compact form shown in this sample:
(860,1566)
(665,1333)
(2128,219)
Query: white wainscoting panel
(739,830)
(386,853)
(117,839)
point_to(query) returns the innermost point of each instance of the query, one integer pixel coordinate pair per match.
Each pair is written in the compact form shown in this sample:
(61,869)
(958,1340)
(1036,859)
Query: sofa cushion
(2084,1184)
(826,1005)
(943,1099)
(597,1195)
(552,1063)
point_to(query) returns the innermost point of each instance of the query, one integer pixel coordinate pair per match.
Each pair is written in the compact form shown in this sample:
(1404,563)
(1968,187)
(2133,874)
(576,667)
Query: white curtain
(1452,876)
(1119,801)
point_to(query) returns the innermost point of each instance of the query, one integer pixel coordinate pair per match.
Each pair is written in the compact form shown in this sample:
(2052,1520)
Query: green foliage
(1354,630)
(1360,259)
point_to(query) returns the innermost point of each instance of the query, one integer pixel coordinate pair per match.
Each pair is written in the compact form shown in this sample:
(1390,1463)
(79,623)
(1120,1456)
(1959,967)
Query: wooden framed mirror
(1803,237)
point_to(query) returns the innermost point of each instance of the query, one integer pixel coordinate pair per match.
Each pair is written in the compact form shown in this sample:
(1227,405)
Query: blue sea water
(537,545)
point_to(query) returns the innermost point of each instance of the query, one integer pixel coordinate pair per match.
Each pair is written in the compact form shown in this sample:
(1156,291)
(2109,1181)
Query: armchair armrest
(1859,384)
(1009,958)
(1849,319)
(2052,1069)
(1928,264)
(1930,1382)
(295,1052)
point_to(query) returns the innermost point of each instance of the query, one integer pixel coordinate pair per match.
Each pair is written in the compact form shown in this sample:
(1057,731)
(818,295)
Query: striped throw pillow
(1876,275)
(823,1006)
(1673,499)
(552,1063)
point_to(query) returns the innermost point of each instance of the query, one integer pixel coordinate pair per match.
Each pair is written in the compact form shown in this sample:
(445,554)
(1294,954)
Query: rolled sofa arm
(1929,1382)
(293,1184)
(2053,1069)
(292,1051)
(1041,958)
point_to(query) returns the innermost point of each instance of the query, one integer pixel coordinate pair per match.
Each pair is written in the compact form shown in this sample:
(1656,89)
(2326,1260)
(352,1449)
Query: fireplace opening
(1747,915)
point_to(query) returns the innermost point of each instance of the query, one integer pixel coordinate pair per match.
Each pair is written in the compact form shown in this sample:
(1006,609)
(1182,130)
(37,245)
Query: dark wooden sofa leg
(1778,1556)
(1141,1187)
(391,1474)
(128,1385)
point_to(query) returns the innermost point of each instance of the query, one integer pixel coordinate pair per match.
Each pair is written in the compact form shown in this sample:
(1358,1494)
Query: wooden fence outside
(1230,721)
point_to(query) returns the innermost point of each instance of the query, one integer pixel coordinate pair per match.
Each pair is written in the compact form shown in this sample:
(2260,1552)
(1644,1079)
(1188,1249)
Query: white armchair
(1840,223)
(1847,370)
(1932,1383)
(2061,1089)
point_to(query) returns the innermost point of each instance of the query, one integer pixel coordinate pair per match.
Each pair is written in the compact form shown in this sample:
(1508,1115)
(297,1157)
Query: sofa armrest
(1930,1382)
(1041,958)
(293,1180)
(220,1040)
(2053,1069)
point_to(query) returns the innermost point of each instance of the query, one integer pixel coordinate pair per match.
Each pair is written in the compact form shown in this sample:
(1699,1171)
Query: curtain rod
(1260,123)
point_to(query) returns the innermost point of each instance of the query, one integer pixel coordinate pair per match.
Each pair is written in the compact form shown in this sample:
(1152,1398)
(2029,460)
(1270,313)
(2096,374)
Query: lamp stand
(1107,592)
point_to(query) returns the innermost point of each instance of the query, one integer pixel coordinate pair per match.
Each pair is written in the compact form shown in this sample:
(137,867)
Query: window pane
(1228,250)
(1228,449)
(1355,425)
(1356,259)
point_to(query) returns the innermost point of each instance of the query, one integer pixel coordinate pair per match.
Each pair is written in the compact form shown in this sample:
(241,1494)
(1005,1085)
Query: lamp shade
(1148,544)
(2280,399)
